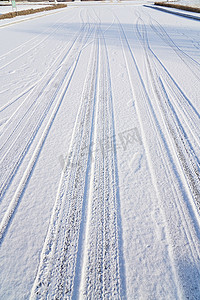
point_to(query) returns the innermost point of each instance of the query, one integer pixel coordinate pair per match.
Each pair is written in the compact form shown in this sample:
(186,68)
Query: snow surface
(99,154)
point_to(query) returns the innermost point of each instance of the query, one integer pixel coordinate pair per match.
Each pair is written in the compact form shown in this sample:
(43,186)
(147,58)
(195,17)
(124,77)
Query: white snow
(99,154)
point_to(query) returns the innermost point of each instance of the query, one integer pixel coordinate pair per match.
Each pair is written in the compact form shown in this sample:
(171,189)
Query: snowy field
(99,154)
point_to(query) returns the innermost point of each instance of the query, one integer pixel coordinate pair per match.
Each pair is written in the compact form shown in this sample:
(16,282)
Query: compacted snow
(99,154)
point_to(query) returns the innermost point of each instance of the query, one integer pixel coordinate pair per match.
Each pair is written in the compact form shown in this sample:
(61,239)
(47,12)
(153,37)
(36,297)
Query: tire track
(188,111)
(24,49)
(27,174)
(185,151)
(27,62)
(19,140)
(18,97)
(40,43)
(50,72)
(175,199)
(55,277)
(191,63)
(101,268)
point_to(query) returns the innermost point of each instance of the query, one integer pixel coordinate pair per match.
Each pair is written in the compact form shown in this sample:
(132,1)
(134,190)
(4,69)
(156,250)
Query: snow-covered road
(99,154)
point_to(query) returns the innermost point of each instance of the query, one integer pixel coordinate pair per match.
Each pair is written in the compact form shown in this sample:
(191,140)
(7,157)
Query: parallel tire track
(190,62)
(88,191)
(24,180)
(30,45)
(101,268)
(176,202)
(59,59)
(186,153)
(58,259)
(41,101)
(182,103)
(39,86)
